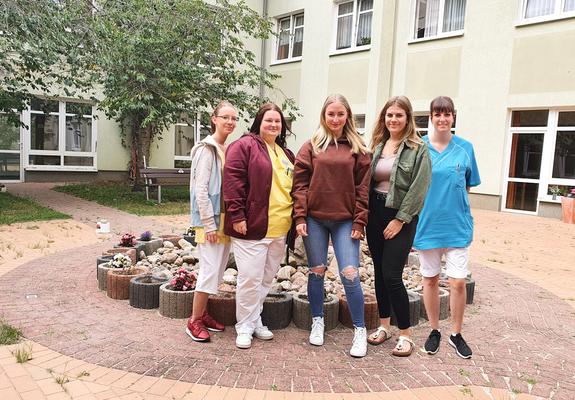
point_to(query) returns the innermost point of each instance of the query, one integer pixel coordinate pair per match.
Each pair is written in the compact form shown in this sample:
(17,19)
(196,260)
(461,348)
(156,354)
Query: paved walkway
(522,336)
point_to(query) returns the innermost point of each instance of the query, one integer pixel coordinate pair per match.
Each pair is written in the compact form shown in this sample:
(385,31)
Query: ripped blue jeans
(347,255)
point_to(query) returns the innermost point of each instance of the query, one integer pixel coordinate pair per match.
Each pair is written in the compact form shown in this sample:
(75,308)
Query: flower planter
(118,284)
(145,291)
(222,307)
(102,275)
(277,312)
(137,248)
(175,303)
(568,209)
(370,312)
(102,260)
(131,252)
(415,305)
(302,312)
(443,304)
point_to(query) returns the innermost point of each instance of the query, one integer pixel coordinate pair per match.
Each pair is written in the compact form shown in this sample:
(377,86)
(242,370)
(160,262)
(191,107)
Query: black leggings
(389,257)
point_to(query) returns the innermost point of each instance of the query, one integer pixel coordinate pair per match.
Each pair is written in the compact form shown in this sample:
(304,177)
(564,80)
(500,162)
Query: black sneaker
(432,342)
(461,348)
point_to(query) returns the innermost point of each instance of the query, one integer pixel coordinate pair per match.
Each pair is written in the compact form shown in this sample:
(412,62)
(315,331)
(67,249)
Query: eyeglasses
(227,118)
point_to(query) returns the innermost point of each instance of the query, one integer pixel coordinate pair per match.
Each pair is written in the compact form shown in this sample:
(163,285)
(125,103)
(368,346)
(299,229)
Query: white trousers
(258,262)
(213,260)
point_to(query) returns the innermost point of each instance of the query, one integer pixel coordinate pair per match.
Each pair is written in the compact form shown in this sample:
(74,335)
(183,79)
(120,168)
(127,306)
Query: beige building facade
(509,65)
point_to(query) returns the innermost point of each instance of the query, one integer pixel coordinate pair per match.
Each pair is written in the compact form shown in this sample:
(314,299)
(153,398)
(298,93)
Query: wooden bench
(158,177)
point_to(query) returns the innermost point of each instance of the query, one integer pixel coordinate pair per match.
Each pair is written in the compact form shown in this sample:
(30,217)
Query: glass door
(10,161)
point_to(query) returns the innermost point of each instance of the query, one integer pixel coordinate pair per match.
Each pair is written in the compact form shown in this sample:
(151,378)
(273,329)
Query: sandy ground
(538,250)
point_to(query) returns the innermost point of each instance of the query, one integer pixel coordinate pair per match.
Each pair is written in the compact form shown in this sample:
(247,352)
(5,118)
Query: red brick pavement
(523,337)
(519,333)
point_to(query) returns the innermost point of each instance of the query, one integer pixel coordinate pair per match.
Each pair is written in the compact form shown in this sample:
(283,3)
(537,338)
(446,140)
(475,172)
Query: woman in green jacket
(401,173)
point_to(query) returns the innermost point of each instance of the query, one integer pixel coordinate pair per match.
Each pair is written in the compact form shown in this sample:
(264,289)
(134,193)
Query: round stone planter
(175,303)
(277,311)
(145,291)
(102,260)
(102,275)
(222,307)
(302,312)
(137,248)
(443,304)
(171,238)
(118,284)
(415,305)
(151,245)
(371,314)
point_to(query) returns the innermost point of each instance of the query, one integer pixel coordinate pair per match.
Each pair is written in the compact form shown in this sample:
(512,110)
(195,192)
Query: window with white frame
(541,157)
(438,17)
(353,24)
(547,9)
(61,135)
(187,134)
(359,123)
(423,124)
(290,37)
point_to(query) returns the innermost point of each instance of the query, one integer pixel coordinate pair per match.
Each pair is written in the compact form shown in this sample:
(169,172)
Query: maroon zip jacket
(247,186)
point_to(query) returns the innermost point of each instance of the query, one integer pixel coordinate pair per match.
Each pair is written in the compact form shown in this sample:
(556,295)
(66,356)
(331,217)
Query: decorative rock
(184,244)
(179,261)
(286,285)
(168,245)
(231,271)
(230,279)
(189,259)
(284,273)
(169,258)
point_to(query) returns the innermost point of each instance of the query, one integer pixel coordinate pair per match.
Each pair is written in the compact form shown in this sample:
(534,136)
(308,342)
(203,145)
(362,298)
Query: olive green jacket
(409,180)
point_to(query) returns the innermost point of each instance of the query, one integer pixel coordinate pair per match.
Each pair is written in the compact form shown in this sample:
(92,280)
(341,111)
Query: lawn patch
(120,195)
(8,334)
(18,209)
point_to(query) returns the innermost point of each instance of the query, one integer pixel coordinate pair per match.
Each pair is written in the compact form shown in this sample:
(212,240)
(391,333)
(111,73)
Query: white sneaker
(316,334)
(263,333)
(244,341)
(359,345)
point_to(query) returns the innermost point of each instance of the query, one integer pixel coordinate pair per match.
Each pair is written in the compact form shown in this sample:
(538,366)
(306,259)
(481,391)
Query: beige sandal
(402,349)
(376,337)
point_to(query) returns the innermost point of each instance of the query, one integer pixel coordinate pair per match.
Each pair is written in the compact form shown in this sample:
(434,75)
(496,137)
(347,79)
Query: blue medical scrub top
(446,220)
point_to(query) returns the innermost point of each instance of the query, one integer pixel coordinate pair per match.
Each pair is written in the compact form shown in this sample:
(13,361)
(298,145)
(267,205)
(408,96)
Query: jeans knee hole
(318,271)
(350,273)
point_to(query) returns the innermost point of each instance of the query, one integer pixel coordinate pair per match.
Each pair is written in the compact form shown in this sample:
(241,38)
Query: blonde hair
(381,133)
(323,136)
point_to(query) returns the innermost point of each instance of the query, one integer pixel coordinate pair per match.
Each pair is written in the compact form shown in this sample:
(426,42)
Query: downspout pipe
(263,52)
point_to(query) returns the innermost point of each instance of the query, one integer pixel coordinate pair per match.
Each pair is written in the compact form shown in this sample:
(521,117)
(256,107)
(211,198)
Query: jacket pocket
(403,175)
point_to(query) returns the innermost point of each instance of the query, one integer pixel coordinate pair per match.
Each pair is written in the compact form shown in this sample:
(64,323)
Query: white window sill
(356,49)
(286,61)
(60,168)
(544,19)
(437,37)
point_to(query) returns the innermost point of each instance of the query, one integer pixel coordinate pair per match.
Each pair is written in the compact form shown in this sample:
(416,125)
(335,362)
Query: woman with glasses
(207,217)
(257,184)
(401,172)
(330,200)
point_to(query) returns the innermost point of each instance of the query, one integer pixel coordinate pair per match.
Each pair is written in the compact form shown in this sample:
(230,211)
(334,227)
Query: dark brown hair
(442,104)
(255,128)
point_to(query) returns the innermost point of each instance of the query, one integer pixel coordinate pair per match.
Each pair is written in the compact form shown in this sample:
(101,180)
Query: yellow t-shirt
(281,203)
(222,237)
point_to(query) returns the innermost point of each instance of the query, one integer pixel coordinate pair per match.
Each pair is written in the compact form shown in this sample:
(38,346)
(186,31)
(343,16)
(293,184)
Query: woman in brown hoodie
(330,193)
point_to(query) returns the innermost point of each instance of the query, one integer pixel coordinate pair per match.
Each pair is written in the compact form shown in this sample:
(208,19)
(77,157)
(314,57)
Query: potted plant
(129,241)
(119,276)
(568,207)
(176,296)
(555,191)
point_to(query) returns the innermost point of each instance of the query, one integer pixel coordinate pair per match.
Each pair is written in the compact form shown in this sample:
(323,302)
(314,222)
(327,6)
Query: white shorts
(456,262)
(213,261)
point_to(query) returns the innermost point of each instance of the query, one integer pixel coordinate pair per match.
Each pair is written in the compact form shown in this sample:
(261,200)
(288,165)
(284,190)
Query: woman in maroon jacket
(257,183)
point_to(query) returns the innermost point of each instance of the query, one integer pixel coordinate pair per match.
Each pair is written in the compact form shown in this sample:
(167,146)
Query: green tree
(163,59)
(41,51)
